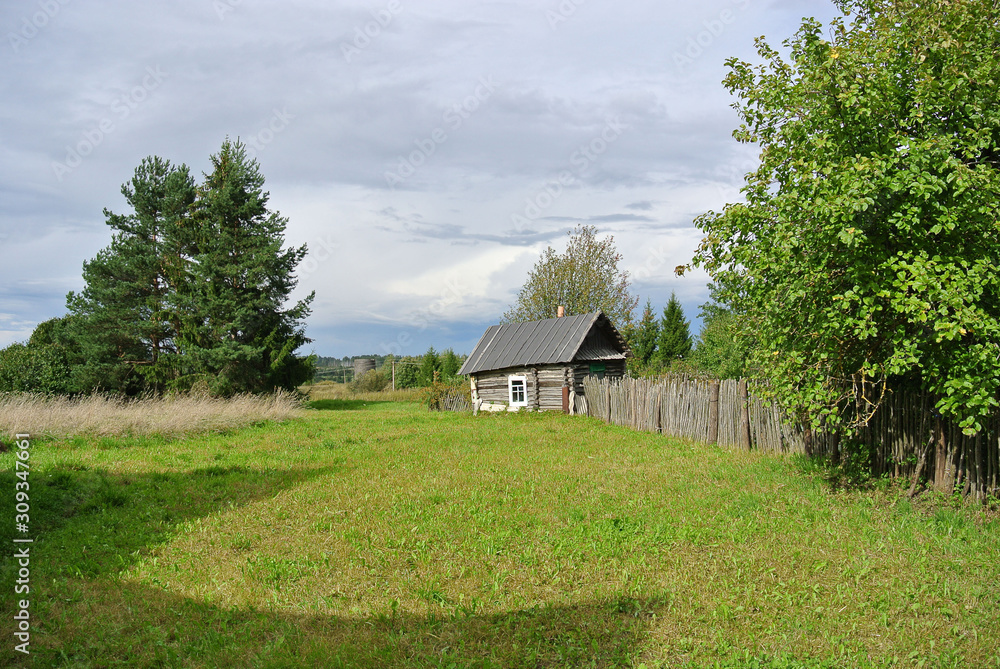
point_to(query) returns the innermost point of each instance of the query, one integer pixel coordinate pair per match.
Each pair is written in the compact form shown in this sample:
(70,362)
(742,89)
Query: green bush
(29,368)
(372,381)
(444,395)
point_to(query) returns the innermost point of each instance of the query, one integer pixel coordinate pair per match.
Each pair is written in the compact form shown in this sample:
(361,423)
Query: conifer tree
(674,341)
(645,335)
(429,364)
(122,320)
(450,364)
(235,331)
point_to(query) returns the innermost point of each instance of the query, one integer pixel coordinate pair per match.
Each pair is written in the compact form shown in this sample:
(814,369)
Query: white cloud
(379,255)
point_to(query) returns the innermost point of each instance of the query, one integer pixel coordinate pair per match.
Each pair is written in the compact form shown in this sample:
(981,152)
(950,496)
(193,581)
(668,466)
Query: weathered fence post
(713,412)
(744,402)
(944,473)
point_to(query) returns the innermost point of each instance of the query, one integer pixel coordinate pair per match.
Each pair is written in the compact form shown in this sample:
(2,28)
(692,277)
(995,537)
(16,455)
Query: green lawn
(379,534)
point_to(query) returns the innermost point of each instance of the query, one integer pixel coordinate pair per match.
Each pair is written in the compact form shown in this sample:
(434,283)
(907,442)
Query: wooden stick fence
(903,438)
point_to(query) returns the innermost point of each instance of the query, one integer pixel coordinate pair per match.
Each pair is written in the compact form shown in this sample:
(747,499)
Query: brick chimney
(560,311)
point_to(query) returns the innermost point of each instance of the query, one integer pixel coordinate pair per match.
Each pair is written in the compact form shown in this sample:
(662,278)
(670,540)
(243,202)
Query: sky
(425,152)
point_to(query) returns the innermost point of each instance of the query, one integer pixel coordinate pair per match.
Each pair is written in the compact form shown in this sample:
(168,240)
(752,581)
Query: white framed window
(518,389)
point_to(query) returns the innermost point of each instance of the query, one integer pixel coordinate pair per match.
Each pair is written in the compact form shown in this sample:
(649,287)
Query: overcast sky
(427,152)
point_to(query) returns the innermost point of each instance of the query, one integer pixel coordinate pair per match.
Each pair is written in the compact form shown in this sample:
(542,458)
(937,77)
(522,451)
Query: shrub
(447,395)
(372,381)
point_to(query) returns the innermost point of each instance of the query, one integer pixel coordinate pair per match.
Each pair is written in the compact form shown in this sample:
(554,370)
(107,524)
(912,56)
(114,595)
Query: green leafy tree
(866,252)
(234,327)
(583,279)
(123,320)
(408,373)
(44,363)
(719,350)
(674,341)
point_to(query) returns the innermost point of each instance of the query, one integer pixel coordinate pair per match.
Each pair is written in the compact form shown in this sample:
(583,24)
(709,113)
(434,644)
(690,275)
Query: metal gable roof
(545,342)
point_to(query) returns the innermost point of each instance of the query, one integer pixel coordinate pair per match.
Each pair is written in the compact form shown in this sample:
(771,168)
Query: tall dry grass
(170,416)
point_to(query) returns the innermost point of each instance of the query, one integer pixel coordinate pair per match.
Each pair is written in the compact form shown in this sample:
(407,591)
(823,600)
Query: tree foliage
(642,337)
(450,364)
(429,364)
(235,330)
(584,278)
(866,252)
(674,338)
(720,351)
(192,287)
(123,319)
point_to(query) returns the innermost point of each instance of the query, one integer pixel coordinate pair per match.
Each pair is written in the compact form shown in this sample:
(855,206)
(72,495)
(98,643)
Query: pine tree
(675,336)
(122,320)
(234,330)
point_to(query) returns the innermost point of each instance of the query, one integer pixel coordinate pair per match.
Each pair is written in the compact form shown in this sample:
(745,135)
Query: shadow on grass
(91,525)
(89,522)
(85,624)
(853,473)
(344,405)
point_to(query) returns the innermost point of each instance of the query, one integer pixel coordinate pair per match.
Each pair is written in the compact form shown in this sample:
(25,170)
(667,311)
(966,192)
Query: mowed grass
(372,534)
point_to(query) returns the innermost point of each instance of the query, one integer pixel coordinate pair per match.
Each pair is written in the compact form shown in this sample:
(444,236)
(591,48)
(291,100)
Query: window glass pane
(517,391)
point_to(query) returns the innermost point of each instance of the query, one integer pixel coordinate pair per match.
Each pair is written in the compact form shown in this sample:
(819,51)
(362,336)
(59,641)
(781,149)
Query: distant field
(326,390)
(378,534)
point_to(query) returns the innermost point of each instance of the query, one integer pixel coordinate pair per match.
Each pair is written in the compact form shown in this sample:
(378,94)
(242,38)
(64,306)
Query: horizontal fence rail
(905,437)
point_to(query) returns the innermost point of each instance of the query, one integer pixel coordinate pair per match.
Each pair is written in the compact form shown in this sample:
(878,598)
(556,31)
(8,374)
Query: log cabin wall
(543,383)
(614,369)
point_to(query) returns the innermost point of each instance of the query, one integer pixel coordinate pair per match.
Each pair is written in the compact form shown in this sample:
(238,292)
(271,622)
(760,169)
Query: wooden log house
(541,365)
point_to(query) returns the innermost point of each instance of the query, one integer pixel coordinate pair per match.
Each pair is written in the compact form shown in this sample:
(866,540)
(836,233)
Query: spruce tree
(235,331)
(675,336)
(450,364)
(429,364)
(644,338)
